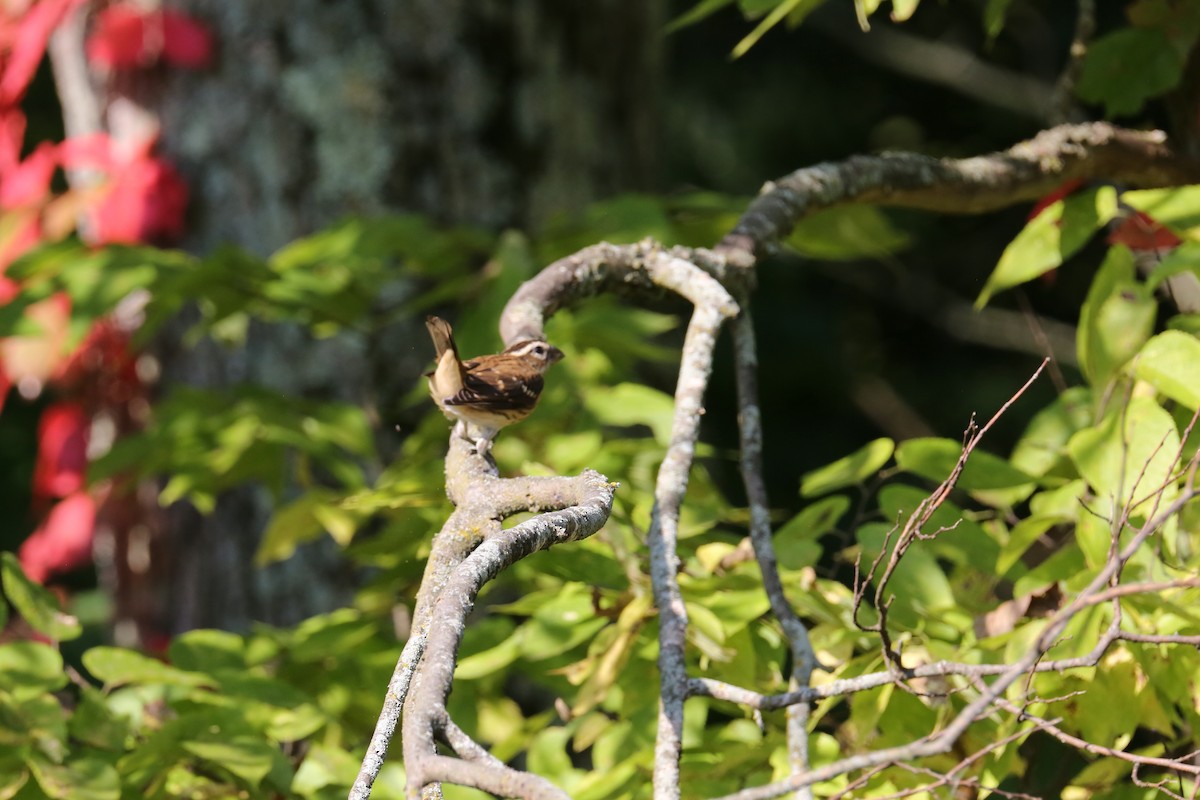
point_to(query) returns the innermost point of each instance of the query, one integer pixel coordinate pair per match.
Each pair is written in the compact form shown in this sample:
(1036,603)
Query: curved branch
(1023,172)
(424,710)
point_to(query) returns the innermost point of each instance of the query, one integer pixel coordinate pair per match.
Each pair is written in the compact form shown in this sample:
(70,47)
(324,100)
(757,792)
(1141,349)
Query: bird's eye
(539,350)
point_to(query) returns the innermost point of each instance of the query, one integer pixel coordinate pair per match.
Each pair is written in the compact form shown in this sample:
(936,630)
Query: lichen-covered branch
(670,487)
(1023,172)
(424,714)
(578,507)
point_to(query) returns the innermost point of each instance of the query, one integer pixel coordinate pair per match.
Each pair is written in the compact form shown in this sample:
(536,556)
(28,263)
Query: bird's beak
(554,355)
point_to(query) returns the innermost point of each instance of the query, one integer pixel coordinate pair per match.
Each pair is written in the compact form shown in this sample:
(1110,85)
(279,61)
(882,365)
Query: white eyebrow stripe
(525,348)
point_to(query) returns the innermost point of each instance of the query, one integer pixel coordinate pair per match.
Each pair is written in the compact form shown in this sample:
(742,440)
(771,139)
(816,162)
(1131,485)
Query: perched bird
(488,392)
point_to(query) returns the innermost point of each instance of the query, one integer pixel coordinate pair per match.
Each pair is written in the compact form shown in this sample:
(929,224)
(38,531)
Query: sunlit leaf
(1129,456)
(30,668)
(792,10)
(1177,208)
(1050,238)
(1116,319)
(80,779)
(34,603)
(1170,362)
(116,666)
(850,470)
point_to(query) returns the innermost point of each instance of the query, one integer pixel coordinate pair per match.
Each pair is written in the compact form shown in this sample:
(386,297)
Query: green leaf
(1044,442)
(1021,538)
(1183,259)
(115,666)
(935,458)
(918,583)
(1050,238)
(1116,319)
(815,519)
(633,404)
(1132,452)
(848,232)
(851,470)
(208,651)
(322,767)
(97,725)
(1127,67)
(80,779)
(1170,362)
(863,9)
(559,625)
(994,14)
(35,723)
(248,758)
(698,12)
(13,775)
(959,539)
(35,603)
(1178,208)
(28,668)
(292,525)
(902,10)
(792,10)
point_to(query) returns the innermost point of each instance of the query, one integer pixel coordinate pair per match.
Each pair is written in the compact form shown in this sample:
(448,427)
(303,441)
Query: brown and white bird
(488,392)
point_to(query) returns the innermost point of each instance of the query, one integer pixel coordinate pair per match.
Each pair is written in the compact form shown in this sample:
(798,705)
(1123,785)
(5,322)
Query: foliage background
(854,346)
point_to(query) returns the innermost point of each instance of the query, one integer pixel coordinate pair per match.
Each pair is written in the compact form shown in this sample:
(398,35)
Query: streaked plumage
(488,392)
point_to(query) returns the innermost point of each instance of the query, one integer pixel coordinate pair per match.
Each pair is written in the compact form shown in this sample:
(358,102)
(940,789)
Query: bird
(489,392)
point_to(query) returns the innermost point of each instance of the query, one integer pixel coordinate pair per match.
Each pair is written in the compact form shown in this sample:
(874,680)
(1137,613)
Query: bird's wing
(493,389)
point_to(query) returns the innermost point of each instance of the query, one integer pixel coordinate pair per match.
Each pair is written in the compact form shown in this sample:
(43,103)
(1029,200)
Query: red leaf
(28,46)
(1062,191)
(63,541)
(1139,231)
(94,151)
(146,203)
(125,37)
(62,451)
(12,137)
(118,39)
(186,42)
(29,182)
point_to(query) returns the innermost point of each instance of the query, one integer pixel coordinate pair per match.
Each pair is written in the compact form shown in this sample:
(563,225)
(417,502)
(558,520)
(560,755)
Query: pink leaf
(29,182)
(118,40)
(33,31)
(62,451)
(125,37)
(12,137)
(146,203)
(63,541)
(94,151)
(186,42)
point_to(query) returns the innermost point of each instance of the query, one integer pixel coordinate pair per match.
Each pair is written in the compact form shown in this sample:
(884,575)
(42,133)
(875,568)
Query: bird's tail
(447,377)
(440,332)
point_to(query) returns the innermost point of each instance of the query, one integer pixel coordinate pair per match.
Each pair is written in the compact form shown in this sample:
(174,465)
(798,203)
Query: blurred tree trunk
(486,113)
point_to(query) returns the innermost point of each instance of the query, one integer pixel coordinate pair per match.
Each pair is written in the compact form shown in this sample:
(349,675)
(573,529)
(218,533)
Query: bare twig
(1085,25)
